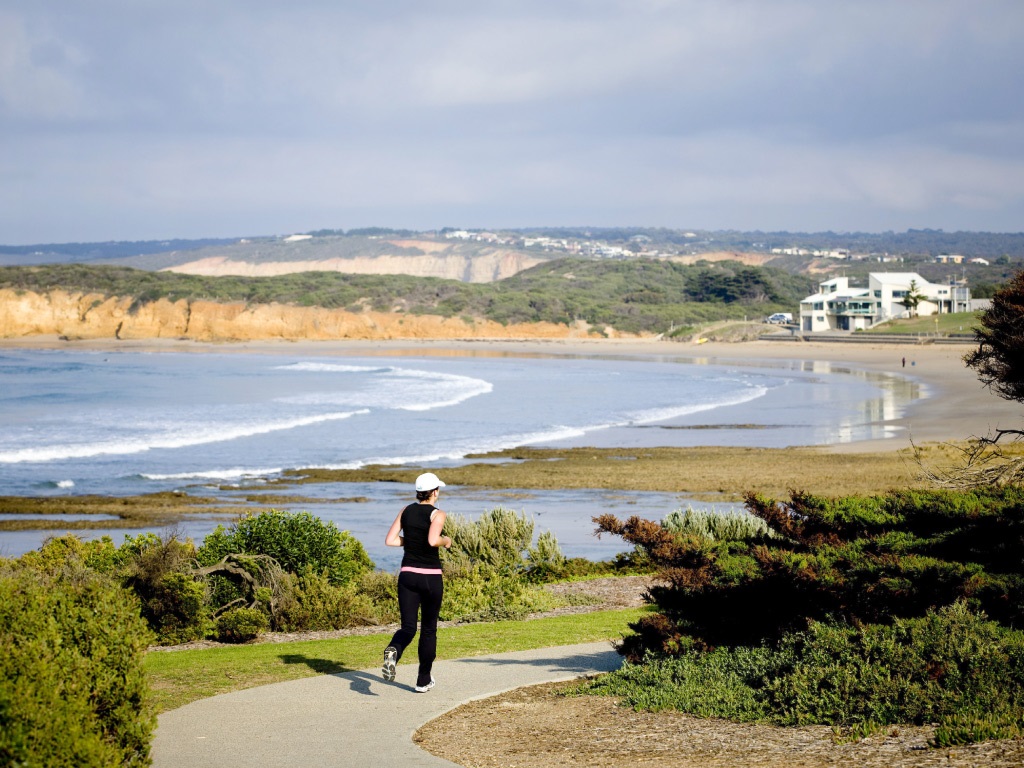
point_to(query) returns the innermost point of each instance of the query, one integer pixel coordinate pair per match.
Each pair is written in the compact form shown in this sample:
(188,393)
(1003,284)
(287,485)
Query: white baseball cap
(428,481)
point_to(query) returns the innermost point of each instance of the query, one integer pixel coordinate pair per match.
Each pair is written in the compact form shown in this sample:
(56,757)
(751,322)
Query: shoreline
(956,407)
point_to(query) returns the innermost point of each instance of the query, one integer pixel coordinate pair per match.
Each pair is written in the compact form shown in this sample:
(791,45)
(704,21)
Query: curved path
(353,718)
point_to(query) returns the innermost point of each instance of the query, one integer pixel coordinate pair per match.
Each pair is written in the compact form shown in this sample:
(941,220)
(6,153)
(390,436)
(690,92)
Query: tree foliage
(999,358)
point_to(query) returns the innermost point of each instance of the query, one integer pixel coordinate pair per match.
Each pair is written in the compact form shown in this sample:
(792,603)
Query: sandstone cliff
(414,257)
(94,316)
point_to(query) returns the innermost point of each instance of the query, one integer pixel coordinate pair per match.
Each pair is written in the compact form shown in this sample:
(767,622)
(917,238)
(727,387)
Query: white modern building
(839,307)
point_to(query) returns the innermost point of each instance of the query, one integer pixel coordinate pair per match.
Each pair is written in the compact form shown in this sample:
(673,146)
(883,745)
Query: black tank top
(415,526)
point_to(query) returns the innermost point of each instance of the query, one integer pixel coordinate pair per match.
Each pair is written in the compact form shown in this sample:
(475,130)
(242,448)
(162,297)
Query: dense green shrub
(299,541)
(481,593)
(863,560)
(174,602)
(922,670)
(951,667)
(310,601)
(381,589)
(178,610)
(72,688)
(61,552)
(241,625)
(855,611)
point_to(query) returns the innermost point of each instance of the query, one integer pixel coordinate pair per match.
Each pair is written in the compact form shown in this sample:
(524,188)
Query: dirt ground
(538,728)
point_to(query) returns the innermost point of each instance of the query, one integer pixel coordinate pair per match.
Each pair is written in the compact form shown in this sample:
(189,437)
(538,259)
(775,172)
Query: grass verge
(179,677)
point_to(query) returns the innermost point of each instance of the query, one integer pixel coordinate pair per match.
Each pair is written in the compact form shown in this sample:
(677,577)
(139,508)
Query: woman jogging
(420,587)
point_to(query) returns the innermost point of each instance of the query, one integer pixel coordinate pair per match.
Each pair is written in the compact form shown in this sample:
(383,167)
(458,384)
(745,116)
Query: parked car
(780,318)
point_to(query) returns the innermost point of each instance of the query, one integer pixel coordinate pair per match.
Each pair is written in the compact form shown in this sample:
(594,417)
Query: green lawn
(956,322)
(179,677)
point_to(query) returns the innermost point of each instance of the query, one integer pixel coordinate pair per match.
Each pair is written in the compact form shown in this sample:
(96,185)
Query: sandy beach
(957,406)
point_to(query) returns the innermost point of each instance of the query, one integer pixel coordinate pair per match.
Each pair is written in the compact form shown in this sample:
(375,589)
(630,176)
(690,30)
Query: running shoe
(427,687)
(390,661)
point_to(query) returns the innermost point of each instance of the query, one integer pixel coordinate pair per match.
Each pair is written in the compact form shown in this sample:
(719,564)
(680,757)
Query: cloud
(121,118)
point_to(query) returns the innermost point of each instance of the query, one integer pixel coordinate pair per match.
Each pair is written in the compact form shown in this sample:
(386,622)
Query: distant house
(949,258)
(297,238)
(983,262)
(839,307)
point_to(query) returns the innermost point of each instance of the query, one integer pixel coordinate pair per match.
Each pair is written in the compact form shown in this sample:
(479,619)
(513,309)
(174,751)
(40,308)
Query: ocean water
(122,423)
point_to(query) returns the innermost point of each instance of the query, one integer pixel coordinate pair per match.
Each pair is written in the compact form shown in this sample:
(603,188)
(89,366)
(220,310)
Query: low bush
(502,540)
(61,552)
(715,526)
(241,625)
(952,667)
(72,688)
(381,589)
(859,559)
(299,541)
(480,593)
(310,601)
(858,611)
(178,610)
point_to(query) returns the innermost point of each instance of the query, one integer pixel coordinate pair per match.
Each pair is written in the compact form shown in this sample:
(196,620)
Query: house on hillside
(838,306)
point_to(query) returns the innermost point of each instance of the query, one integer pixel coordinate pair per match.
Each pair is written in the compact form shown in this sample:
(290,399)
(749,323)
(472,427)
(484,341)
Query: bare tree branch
(983,464)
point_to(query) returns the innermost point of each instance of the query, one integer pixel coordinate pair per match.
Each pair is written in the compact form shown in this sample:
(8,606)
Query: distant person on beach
(904,362)
(420,587)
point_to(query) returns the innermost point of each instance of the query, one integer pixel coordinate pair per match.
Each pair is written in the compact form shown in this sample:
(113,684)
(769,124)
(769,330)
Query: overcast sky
(151,119)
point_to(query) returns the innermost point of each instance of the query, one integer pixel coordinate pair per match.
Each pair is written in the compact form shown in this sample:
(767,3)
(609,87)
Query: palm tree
(912,298)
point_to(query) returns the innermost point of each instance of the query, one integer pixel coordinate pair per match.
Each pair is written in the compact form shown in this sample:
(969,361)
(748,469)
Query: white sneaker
(387,669)
(427,687)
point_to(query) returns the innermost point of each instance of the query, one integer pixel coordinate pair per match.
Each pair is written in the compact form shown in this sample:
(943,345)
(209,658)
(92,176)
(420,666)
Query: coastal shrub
(299,541)
(310,601)
(241,625)
(903,607)
(159,571)
(478,592)
(952,667)
(858,559)
(725,683)
(69,551)
(501,539)
(177,608)
(72,687)
(632,296)
(381,589)
(716,526)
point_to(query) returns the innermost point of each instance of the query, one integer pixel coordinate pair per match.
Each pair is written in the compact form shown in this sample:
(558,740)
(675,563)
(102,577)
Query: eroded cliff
(94,316)
(417,258)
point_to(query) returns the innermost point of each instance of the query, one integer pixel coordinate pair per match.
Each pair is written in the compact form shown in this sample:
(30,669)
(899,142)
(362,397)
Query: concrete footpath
(353,718)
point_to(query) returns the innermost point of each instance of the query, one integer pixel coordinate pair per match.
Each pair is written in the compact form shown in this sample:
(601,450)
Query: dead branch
(254,572)
(982,464)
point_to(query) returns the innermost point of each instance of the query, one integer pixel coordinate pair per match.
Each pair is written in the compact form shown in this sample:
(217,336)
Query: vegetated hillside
(631,296)
(58,253)
(645,294)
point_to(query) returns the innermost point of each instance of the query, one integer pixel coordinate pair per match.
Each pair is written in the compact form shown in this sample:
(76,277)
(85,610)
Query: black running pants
(419,593)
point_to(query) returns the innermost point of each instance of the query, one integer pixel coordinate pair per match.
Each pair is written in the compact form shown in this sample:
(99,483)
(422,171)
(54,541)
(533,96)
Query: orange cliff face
(94,316)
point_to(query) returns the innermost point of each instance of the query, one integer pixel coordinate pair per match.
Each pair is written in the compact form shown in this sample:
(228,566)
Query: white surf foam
(236,473)
(676,411)
(406,389)
(171,438)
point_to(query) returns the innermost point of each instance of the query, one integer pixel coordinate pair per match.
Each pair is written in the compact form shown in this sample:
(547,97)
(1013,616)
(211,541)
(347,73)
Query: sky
(151,119)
